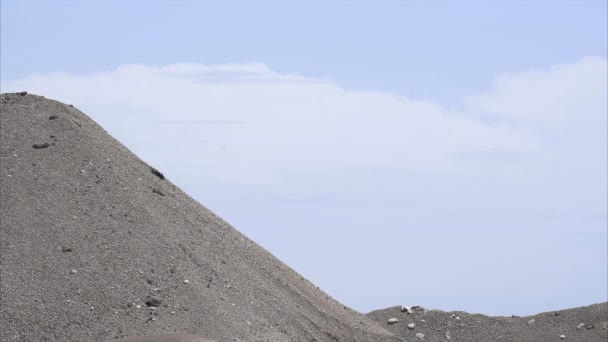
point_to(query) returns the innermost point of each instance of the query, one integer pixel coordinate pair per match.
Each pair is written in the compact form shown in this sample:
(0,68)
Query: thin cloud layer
(273,122)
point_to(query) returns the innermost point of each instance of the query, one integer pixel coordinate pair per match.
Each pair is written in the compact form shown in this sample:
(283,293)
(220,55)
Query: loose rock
(580,326)
(157,173)
(420,336)
(562,337)
(411,326)
(531,322)
(39,146)
(153,301)
(406,309)
(392,321)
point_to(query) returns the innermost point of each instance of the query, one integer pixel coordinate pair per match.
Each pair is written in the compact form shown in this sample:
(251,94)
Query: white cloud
(272,122)
(563,91)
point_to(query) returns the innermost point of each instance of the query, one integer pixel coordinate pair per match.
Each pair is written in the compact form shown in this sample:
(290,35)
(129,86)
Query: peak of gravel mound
(98,245)
(588,324)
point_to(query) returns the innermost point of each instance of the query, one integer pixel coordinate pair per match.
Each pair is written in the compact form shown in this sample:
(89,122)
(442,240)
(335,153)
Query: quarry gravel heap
(584,324)
(98,245)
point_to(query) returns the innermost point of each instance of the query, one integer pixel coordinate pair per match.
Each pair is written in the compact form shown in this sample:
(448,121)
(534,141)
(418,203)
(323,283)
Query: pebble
(531,322)
(562,337)
(186,281)
(153,301)
(447,335)
(420,336)
(411,326)
(457,318)
(580,326)
(138,306)
(406,309)
(392,321)
(73,271)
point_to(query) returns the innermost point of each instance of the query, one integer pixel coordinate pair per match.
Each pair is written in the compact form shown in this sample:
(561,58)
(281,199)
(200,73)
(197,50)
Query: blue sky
(451,155)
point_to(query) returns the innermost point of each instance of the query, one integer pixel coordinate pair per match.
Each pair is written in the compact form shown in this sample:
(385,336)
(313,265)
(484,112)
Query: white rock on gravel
(411,326)
(392,321)
(531,322)
(580,326)
(186,281)
(562,337)
(406,309)
(420,336)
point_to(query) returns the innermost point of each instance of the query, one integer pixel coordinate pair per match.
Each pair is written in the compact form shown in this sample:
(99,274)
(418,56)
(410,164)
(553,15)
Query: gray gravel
(86,224)
(438,325)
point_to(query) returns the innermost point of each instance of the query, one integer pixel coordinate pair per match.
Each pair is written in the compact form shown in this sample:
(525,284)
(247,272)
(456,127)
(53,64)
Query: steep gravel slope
(96,245)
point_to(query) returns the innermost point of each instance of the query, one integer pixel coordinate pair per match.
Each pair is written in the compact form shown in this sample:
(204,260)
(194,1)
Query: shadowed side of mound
(97,245)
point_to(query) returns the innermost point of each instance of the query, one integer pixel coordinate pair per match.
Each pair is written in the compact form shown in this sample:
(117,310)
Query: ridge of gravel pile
(97,245)
(583,324)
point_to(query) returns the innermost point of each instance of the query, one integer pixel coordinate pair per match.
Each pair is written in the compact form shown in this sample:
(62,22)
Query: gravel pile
(98,245)
(585,324)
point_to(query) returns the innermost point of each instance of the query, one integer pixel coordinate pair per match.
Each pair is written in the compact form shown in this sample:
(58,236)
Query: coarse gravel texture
(465,327)
(96,245)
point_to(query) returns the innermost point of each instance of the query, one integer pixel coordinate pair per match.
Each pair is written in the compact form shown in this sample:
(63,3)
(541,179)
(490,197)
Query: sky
(449,155)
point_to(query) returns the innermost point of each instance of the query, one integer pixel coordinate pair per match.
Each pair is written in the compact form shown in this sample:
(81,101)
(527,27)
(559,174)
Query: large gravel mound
(98,245)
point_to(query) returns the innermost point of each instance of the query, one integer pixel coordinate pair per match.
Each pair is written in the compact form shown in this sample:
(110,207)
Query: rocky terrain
(589,324)
(97,245)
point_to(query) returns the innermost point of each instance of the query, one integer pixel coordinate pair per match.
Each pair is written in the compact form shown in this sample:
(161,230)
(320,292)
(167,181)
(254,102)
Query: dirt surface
(97,245)
(585,324)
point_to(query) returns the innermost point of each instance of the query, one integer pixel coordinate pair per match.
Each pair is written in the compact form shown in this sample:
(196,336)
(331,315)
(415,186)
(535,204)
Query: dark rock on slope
(585,324)
(97,245)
